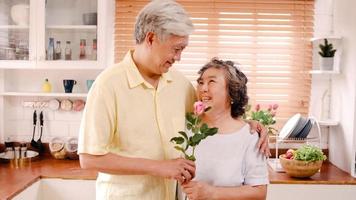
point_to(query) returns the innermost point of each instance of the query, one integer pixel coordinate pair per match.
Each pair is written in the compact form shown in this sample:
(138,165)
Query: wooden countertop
(329,174)
(13,181)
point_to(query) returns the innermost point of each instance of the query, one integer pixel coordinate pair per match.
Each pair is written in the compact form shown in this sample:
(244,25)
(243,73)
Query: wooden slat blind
(269,38)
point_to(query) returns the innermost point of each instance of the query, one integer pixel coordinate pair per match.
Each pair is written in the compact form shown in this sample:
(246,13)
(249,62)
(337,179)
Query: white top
(231,160)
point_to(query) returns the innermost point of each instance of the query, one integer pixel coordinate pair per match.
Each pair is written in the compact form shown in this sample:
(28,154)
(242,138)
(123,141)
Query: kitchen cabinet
(26,27)
(310,191)
(59,189)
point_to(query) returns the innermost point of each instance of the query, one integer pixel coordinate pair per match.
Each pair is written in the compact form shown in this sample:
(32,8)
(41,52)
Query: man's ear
(150,37)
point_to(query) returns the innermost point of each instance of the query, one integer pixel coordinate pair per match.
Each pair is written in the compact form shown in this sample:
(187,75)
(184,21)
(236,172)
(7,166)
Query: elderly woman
(228,164)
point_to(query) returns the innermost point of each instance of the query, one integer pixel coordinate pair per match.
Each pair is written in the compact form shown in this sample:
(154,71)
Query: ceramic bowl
(90,18)
(299,169)
(20,14)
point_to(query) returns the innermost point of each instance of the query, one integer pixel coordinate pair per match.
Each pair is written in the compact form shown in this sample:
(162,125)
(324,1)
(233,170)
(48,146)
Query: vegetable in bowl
(309,153)
(303,162)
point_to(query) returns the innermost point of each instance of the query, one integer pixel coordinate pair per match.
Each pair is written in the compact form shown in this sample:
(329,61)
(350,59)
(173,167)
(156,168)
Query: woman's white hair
(162,17)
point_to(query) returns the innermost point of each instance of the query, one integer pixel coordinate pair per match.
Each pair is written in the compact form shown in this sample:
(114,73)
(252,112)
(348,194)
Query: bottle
(9,153)
(58,51)
(50,50)
(46,87)
(68,51)
(17,152)
(94,50)
(82,49)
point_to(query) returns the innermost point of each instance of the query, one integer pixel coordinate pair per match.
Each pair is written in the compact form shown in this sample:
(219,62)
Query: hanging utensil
(39,142)
(33,142)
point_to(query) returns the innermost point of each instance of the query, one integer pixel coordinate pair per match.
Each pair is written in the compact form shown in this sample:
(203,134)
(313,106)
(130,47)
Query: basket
(298,168)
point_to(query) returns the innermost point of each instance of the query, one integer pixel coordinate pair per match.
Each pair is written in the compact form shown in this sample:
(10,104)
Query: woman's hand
(262,131)
(196,190)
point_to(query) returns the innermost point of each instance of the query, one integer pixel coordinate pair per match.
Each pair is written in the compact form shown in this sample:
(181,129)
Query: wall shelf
(6,27)
(334,37)
(51,65)
(39,94)
(328,123)
(68,27)
(324,72)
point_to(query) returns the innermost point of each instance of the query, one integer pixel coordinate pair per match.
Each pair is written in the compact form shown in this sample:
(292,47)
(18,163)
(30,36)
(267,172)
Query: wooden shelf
(72,27)
(51,65)
(326,37)
(39,94)
(324,72)
(11,27)
(328,123)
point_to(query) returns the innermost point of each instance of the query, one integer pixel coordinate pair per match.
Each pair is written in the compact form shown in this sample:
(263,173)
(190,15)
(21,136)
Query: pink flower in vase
(275,106)
(258,107)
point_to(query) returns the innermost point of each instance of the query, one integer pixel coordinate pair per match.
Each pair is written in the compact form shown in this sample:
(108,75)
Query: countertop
(13,181)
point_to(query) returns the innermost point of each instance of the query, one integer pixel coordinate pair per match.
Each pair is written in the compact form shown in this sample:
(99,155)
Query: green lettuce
(309,153)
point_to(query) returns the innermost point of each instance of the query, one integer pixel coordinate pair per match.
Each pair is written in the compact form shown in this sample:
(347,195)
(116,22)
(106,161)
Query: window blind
(270,39)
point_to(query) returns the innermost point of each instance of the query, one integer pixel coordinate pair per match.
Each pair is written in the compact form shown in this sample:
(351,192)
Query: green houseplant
(327,53)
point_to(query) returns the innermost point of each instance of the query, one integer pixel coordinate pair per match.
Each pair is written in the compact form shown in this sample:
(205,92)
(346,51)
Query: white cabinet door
(17,36)
(59,189)
(30,193)
(78,29)
(310,192)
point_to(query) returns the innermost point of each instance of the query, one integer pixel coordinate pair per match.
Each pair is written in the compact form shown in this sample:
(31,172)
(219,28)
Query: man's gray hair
(162,17)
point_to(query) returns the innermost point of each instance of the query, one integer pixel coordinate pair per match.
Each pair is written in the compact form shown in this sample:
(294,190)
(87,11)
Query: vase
(327,63)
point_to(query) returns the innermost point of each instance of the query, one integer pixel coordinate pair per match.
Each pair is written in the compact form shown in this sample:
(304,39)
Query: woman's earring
(232,102)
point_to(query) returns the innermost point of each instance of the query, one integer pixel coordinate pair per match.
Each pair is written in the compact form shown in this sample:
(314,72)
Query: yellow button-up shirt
(125,115)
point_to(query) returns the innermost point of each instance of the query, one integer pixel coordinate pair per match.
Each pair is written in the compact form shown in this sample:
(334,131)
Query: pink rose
(275,106)
(199,108)
(273,113)
(258,106)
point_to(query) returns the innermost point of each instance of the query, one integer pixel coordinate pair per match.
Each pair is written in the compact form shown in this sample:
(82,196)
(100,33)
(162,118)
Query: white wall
(336,17)
(341,139)
(18,119)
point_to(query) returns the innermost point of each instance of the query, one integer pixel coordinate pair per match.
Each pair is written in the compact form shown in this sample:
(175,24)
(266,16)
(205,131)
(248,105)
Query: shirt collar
(134,76)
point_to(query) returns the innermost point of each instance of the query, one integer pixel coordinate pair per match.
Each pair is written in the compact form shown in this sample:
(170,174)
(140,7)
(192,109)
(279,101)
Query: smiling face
(165,52)
(212,89)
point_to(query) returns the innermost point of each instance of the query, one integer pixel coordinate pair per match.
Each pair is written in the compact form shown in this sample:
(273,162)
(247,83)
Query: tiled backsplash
(19,124)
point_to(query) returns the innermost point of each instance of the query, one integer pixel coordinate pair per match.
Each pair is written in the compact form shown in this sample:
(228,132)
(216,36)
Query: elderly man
(135,107)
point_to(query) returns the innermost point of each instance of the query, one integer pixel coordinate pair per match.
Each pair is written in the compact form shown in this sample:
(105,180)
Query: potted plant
(327,53)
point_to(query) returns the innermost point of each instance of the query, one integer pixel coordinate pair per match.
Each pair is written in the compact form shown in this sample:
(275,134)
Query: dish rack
(274,162)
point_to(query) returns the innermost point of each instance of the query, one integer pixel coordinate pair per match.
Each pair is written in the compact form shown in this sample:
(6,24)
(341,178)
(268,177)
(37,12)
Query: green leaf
(183,134)
(189,126)
(204,127)
(190,141)
(190,118)
(211,131)
(177,140)
(179,149)
(197,138)
(195,130)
